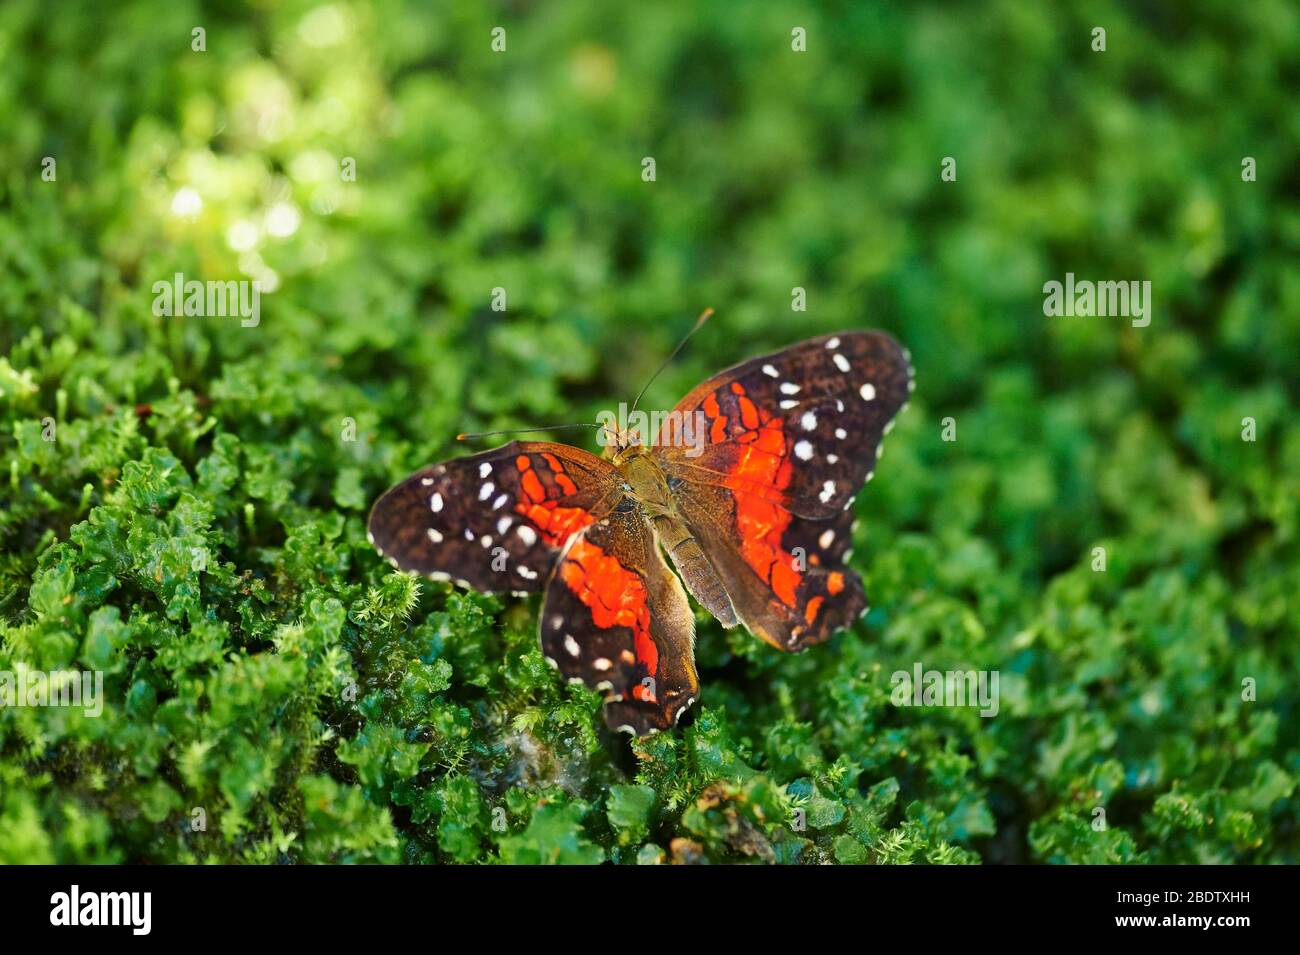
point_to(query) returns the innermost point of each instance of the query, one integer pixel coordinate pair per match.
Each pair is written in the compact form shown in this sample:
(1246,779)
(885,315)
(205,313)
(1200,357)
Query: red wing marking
(748,410)
(561,477)
(810,612)
(616,597)
(718,429)
(557,524)
(529,481)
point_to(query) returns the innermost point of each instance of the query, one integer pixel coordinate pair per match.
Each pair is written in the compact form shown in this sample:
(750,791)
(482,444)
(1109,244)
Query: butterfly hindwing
(785,586)
(496,521)
(616,618)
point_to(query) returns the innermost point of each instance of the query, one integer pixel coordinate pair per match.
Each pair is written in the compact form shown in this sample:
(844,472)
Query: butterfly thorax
(644,478)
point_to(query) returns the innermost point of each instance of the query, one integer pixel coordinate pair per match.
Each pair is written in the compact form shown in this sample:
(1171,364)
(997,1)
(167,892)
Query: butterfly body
(757,522)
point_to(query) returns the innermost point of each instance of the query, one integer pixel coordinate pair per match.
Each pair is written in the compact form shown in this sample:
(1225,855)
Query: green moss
(182,499)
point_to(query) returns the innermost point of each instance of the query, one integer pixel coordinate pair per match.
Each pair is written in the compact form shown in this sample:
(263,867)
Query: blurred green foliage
(195,530)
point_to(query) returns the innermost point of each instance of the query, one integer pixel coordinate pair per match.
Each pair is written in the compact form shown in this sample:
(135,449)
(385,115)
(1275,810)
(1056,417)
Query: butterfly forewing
(495,521)
(801,427)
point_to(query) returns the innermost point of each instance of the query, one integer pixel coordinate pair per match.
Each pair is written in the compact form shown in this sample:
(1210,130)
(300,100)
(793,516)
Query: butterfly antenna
(704,317)
(467,436)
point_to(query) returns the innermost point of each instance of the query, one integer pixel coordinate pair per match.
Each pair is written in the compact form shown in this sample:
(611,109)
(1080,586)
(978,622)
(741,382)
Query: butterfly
(755,515)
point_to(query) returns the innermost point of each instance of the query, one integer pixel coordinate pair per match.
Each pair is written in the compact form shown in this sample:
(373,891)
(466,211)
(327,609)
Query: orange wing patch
(616,597)
(557,524)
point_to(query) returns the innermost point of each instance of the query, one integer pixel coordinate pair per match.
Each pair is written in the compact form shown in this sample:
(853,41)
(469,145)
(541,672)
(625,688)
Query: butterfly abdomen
(682,546)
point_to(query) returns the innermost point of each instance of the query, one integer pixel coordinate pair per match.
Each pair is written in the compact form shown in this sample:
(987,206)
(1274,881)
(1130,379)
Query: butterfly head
(624,444)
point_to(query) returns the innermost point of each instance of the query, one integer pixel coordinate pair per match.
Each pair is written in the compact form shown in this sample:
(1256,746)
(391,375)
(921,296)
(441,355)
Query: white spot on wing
(435,535)
(803,451)
(435,502)
(833,343)
(526,534)
(486,490)
(867,391)
(770,371)
(571,645)
(788,404)
(827,538)
(809,421)
(841,362)
(484,469)
(789,388)
(828,491)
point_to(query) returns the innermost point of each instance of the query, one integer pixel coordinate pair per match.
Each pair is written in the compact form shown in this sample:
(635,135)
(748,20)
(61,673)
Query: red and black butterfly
(757,518)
